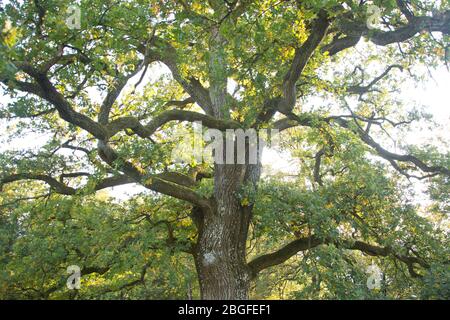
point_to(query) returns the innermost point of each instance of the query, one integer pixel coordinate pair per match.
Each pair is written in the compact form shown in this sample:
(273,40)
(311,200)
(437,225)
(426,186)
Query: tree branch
(360,90)
(301,58)
(303,244)
(116,89)
(306,120)
(439,22)
(166,53)
(45,89)
(146,131)
(272,259)
(390,156)
(60,187)
(286,103)
(153,182)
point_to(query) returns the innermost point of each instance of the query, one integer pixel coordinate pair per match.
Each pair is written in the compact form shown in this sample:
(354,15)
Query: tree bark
(220,254)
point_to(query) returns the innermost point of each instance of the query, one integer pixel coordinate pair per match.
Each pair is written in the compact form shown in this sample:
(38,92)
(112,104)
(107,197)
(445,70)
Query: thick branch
(62,188)
(146,131)
(353,32)
(439,22)
(303,244)
(45,89)
(59,187)
(116,89)
(283,254)
(286,102)
(301,58)
(341,44)
(153,182)
(166,53)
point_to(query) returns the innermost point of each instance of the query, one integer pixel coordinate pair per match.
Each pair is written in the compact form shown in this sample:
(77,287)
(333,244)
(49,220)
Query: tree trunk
(220,259)
(220,255)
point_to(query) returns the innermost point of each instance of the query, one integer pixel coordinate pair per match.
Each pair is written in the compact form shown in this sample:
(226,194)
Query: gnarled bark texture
(220,254)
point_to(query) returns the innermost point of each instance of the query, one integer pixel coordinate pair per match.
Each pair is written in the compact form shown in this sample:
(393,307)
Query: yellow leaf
(245,202)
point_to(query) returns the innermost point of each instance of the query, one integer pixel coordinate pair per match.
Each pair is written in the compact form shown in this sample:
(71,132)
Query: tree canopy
(111,95)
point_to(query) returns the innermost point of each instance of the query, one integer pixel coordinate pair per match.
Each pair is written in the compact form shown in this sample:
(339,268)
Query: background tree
(311,69)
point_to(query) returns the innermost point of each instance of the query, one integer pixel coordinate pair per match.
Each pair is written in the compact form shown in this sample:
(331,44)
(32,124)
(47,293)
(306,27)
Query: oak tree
(111,93)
